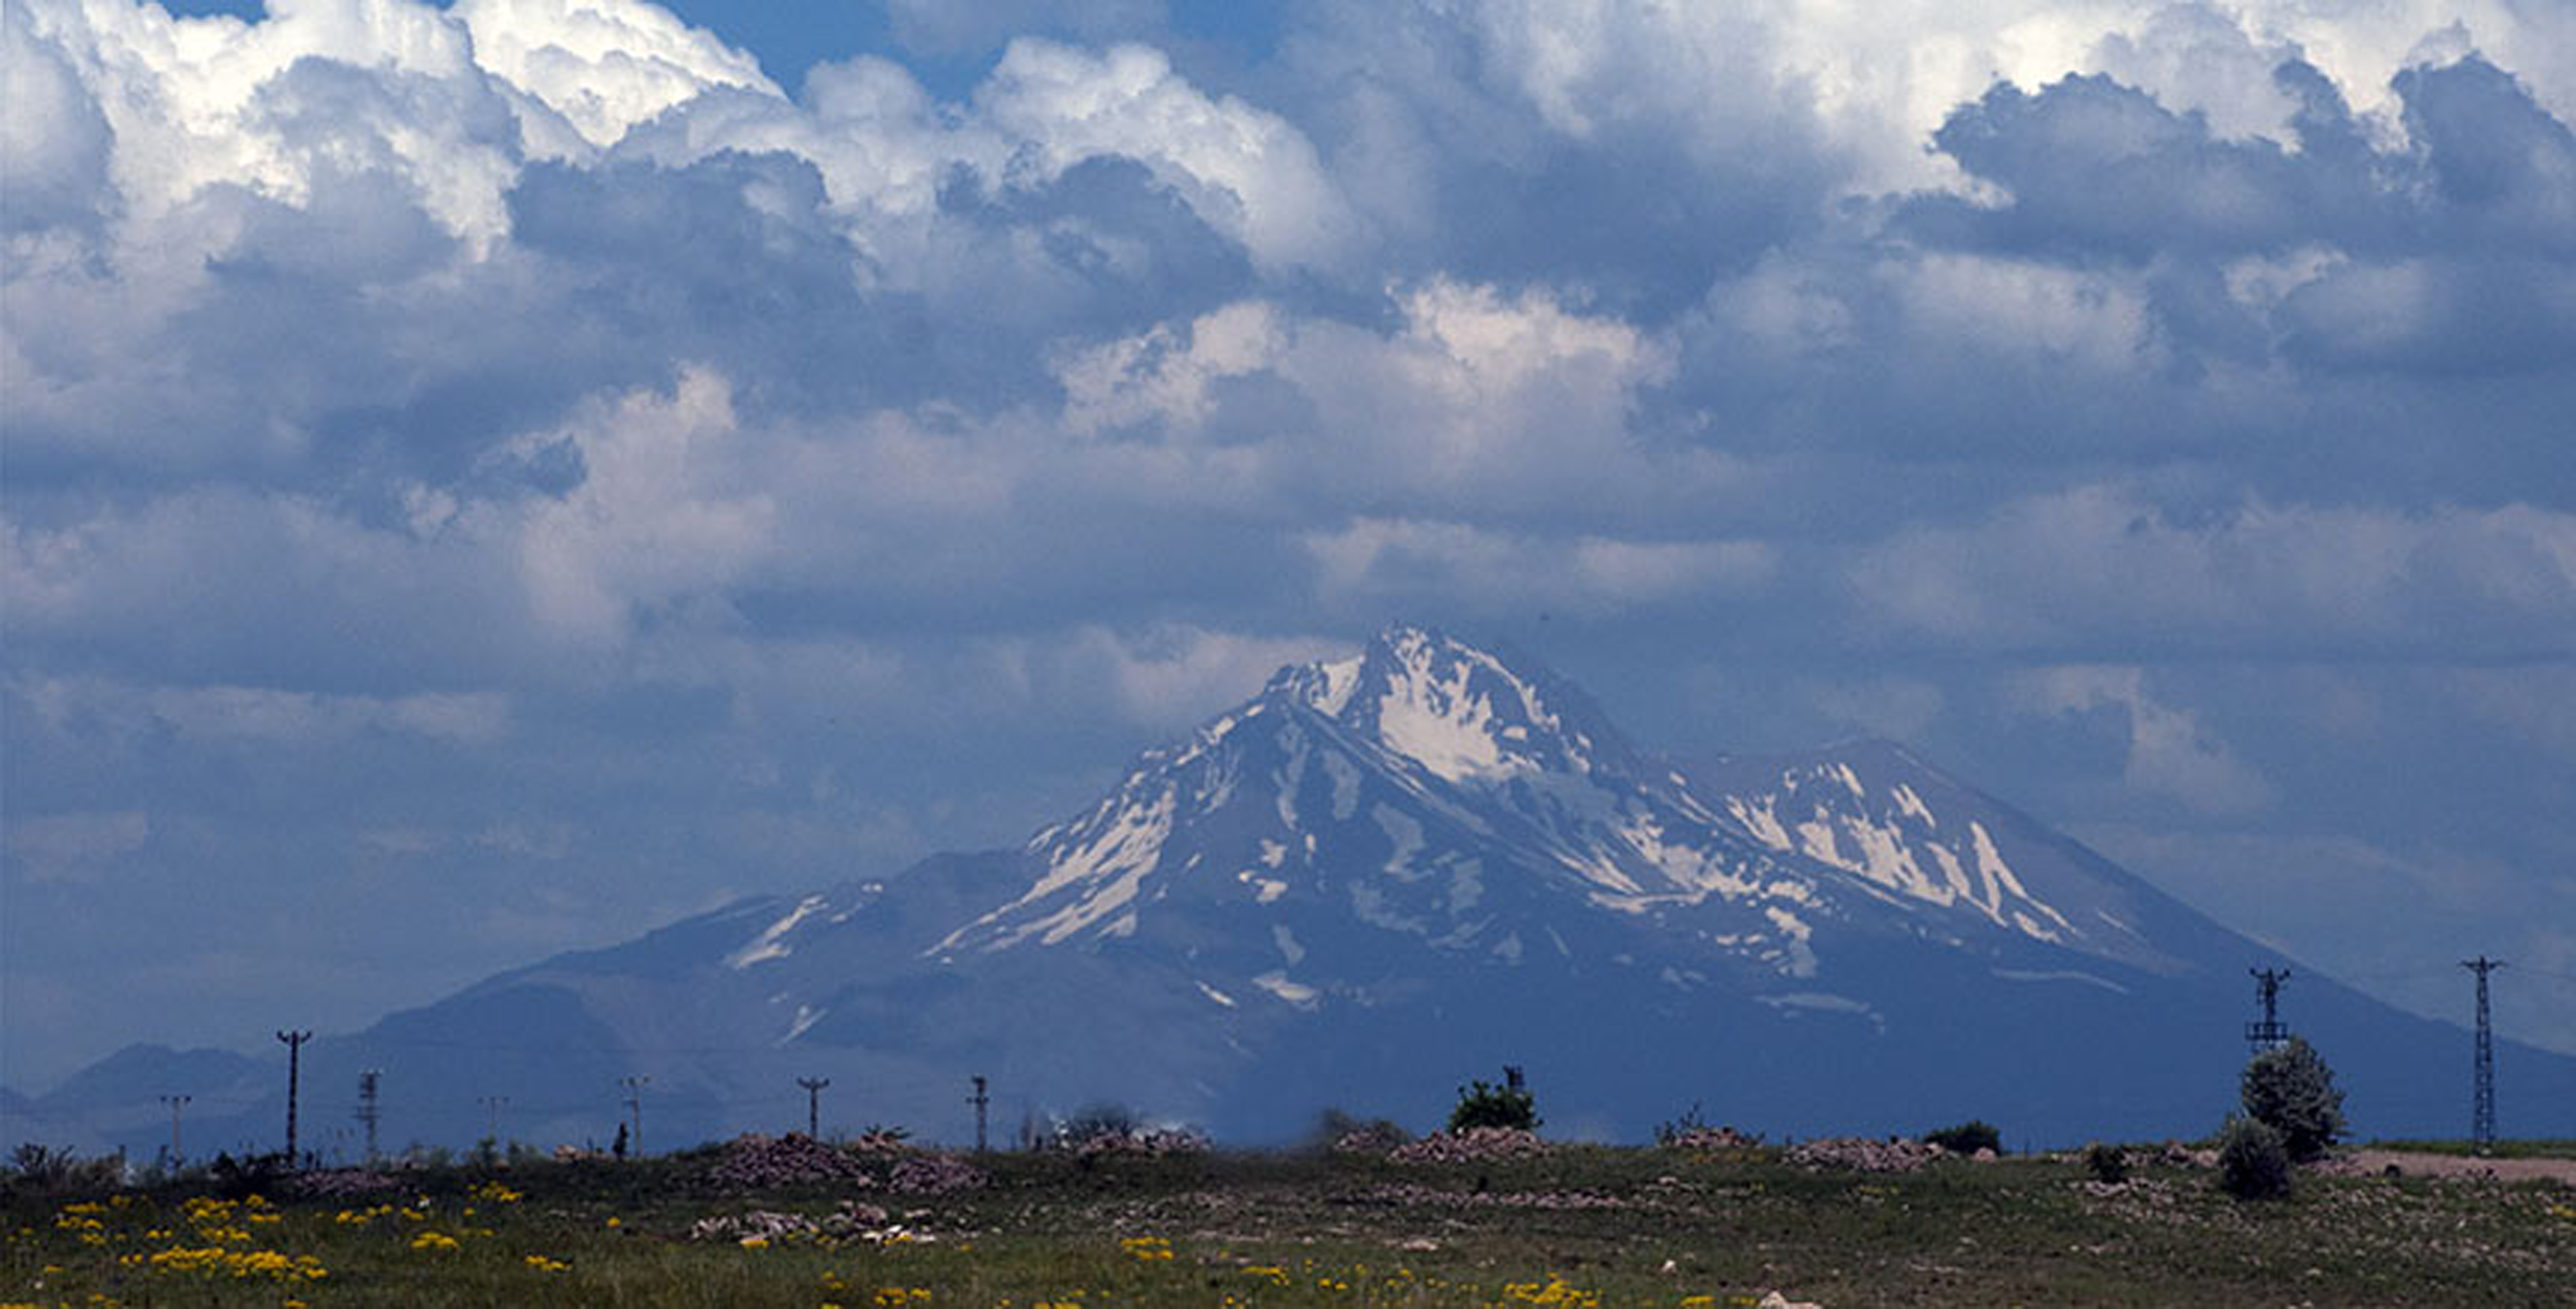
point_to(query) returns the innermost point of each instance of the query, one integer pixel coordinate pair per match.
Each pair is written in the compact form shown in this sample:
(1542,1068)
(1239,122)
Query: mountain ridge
(1383,874)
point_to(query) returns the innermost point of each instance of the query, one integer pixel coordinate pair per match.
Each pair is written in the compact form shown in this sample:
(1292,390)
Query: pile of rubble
(852,1219)
(1475,1145)
(1894,1155)
(1709,1138)
(878,1140)
(756,1160)
(1146,1141)
(335,1182)
(933,1174)
(1376,1138)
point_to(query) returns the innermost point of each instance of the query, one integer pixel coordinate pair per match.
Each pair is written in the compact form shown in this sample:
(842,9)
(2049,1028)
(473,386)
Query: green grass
(2537,1148)
(1583,1226)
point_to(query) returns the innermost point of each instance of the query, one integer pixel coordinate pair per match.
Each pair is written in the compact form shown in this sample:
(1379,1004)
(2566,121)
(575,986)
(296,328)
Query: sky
(486,479)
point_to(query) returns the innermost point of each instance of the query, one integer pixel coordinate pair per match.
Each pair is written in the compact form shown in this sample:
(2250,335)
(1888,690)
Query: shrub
(1482,1104)
(2107,1163)
(1967,1138)
(2253,1164)
(2289,1089)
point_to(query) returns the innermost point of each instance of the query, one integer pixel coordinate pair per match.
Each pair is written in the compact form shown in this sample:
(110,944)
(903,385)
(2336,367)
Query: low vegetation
(1671,1226)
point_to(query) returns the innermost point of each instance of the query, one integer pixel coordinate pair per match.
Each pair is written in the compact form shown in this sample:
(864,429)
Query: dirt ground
(2410,1164)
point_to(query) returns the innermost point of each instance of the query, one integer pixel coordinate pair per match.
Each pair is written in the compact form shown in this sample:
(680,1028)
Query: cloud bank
(536,416)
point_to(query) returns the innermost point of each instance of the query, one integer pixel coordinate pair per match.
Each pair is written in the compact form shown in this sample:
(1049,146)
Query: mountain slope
(1386,874)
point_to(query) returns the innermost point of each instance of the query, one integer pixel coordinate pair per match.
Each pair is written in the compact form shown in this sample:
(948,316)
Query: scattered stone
(1475,1145)
(852,1219)
(1775,1300)
(331,1182)
(1376,1138)
(934,1174)
(1144,1141)
(1710,1138)
(755,1160)
(1860,1154)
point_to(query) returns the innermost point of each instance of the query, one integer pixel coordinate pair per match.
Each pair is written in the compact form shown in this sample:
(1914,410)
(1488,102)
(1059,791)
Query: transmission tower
(367,1113)
(176,1103)
(635,1111)
(294,1073)
(492,1106)
(814,1104)
(980,1099)
(2482,1095)
(2268,1033)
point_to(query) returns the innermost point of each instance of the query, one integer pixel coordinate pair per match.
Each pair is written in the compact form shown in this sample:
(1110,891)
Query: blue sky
(485,479)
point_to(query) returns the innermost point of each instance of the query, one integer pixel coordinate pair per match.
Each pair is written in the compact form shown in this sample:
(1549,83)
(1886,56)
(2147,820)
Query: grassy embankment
(1583,1226)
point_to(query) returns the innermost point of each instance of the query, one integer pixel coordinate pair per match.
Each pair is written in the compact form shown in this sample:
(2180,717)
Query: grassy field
(1581,1226)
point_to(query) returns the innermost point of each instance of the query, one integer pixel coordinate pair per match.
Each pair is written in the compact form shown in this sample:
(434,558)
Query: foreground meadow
(1579,1226)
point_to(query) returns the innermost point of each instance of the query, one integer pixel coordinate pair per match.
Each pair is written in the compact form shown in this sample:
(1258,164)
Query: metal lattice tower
(814,1104)
(2482,1127)
(367,1111)
(2269,1033)
(635,1110)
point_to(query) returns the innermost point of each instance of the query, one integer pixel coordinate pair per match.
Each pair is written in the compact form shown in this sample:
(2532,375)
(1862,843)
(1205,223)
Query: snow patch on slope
(771,943)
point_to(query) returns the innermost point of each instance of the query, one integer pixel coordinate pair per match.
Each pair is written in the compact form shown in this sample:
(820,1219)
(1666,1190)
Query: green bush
(1482,1104)
(2289,1089)
(1967,1138)
(2253,1164)
(2107,1163)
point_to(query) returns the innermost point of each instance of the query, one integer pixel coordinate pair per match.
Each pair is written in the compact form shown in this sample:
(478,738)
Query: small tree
(1968,1137)
(2252,1162)
(2108,1163)
(1482,1104)
(2289,1089)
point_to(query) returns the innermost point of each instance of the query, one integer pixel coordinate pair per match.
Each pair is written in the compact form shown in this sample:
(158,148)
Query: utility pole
(980,1099)
(2482,1095)
(294,1072)
(176,1103)
(635,1110)
(2268,1033)
(367,1114)
(814,1104)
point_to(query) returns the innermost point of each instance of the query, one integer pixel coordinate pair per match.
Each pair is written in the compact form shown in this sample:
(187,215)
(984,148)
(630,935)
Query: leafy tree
(2253,1164)
(1482,1104)
(2289,1089)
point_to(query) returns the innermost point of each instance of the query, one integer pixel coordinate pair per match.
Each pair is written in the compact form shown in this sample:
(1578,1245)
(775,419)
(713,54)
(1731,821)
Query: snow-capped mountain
(1385,874)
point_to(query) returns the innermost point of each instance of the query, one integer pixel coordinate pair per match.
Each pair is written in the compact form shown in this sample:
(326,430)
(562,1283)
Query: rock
(1863,1155)
(756,1161)
(1475,1145)
(934,1174)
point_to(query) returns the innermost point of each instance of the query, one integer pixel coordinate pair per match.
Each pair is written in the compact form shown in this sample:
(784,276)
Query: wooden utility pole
(176,1103)
(814,1104)
(980,1099)
(294,1072)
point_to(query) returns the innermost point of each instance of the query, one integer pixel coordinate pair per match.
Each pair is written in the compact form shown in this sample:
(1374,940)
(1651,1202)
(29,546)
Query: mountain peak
(1463,714)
